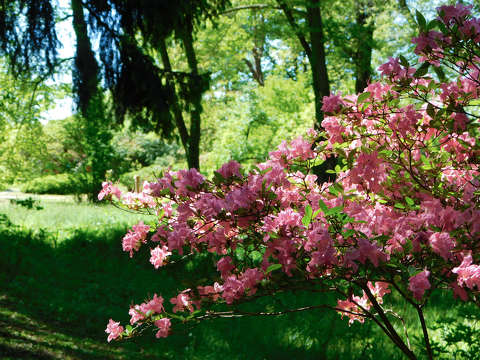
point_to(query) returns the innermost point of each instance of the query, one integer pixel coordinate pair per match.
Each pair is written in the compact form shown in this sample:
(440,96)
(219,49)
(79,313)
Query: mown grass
(65,215)
(60,285)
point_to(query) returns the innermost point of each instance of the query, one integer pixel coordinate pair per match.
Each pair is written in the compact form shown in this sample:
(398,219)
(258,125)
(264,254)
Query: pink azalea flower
(159,255)
(225,266)
(442,244)
(332,103)
(114,330)
(418,284)
(109,189)
(468,273)
(134,238)
(163,326)
(182,302)
(232,168)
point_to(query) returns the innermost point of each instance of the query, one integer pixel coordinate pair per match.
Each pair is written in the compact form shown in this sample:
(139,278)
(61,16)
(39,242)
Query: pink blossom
(233,289)
(419,283)
(390,68)
(369,172)
(370,250)
(428,42)
(176,239)
(188,180)
(182,302)
(351,309)
(442,244)
(300,148)
(468,274)
(212,292)
(114,330)
(379,290)
(109,189)
(225,266)
(163,326)
(451,13)
(334,129)
(154,306)
(232,168)
(136,314)
(159,255)
(332,103)
(135,201)
(250,278)
(134,238)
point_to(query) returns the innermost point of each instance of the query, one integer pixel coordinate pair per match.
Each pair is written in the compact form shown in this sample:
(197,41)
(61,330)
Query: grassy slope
(59,287)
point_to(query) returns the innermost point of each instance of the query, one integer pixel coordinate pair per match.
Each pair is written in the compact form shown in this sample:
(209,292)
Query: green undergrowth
(58,290)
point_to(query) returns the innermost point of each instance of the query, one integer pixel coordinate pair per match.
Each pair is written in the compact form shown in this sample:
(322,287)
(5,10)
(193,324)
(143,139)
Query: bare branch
(291,20)
(249,7)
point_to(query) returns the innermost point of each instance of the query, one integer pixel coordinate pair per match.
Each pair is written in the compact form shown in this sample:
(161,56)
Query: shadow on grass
(55,302)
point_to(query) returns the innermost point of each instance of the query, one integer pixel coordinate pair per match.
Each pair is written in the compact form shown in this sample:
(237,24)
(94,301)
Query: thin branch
(237,313)
(249,7)
(425,332)
(397,339)
(291,20)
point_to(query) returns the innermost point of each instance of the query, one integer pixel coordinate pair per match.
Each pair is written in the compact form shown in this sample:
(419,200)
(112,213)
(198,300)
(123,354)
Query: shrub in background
(60,184)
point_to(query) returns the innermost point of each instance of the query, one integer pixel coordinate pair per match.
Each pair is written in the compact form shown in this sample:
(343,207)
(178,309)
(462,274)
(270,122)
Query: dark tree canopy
(125,30)
(27,35)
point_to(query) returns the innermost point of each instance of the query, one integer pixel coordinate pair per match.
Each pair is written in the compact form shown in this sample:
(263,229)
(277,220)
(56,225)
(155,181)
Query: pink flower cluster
(134,238)
(114,330)
(418,284)
(144,310)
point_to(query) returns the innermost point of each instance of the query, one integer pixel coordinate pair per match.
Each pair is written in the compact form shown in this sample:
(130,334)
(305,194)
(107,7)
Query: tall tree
(90,102)
(129,30)
(314,49)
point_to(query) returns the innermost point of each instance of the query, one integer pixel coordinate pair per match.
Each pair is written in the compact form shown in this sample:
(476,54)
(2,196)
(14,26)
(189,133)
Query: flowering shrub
(403,214)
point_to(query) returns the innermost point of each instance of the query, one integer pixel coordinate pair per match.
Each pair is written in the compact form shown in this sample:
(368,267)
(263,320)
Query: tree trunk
(315,51)
(363,53)
(193,156)
(96,134)
(321,85)
(86,68)
(257,51)
(177,111)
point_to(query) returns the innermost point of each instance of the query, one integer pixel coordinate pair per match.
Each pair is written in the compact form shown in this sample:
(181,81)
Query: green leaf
(421,20)
(403,61)
(273,267)
(440,73)
(409,201)
(273,235)
(363,97)
(435,23)
(335,210)
(322,205)
(411,270)
(399,206)
(307,218)
(422,70)
(218,178)
(315,214)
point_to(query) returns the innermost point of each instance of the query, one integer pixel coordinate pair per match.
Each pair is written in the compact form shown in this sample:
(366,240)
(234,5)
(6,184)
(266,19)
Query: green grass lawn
(60,285)
(62,214)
